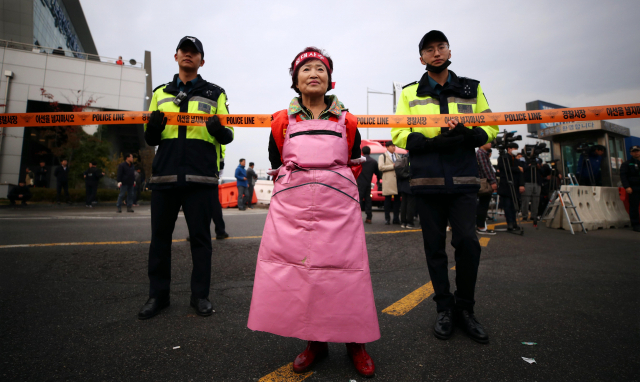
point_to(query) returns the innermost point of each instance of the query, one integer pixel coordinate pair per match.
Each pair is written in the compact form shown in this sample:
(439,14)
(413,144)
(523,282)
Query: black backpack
(402,168)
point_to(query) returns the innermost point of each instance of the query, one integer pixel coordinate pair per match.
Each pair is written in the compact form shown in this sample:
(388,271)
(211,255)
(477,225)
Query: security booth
(572,142)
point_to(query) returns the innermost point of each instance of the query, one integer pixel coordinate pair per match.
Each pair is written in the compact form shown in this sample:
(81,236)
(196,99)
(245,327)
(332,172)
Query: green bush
(79,196)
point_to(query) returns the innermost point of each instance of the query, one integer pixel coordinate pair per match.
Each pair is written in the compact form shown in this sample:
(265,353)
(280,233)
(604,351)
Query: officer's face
(188,57)
(435,53)
(313,78)
(635,154)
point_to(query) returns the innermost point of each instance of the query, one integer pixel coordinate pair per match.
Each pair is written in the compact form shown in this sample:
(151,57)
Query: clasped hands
(157,122)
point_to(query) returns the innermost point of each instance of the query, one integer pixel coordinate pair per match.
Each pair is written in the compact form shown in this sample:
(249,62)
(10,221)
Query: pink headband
(313,55)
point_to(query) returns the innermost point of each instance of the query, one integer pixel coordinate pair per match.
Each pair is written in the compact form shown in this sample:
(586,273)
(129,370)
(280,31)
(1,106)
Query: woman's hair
(294,73)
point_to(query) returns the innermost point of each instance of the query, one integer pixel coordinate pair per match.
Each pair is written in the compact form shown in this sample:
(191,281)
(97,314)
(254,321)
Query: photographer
(510,168)
(533,181)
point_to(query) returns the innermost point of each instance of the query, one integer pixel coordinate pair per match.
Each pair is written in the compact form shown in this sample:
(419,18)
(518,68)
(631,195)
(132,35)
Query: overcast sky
(572,53)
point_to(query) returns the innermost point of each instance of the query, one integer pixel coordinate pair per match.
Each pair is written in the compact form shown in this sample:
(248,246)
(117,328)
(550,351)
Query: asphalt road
(68,312)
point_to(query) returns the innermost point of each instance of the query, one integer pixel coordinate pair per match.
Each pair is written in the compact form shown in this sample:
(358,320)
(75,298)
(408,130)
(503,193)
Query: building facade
(50,56)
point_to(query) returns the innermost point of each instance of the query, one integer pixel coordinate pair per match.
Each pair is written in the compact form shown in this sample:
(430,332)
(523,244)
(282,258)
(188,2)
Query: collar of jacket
(172,88)
(425,89)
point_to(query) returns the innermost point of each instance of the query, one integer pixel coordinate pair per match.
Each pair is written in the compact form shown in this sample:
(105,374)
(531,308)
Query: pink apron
(312,276)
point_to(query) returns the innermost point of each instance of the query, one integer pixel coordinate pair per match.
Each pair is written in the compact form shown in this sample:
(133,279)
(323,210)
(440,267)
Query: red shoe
(315,351)
(361,360)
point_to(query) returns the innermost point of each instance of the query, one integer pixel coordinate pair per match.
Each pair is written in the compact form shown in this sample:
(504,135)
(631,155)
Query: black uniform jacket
(630,174)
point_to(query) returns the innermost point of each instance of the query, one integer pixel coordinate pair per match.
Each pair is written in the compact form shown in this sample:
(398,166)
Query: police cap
(431,36)
(635,148)
(193,41)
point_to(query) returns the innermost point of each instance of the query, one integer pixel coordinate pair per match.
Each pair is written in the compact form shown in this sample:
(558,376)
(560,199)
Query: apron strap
(342,119)
(292,119)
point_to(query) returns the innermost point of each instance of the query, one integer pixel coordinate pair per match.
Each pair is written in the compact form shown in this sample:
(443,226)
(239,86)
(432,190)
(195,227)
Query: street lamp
(373,92)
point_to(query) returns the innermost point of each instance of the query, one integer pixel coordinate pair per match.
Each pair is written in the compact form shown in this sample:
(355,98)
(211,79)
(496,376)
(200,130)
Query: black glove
(222,165)
(157,121)
(443,142)
(461,129)
(214,127)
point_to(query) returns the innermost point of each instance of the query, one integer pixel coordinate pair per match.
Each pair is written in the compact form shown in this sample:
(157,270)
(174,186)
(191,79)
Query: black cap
(433,35)
(194,41)
(635,148)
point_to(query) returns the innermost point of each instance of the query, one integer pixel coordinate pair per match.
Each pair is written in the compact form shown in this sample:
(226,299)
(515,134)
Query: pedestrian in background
(41,175)
(91,179)
(241,183)
(28,178)
(407,202)
(126,179)
(62,181)
(20,193)
(389,184)
(251,181)
(119,61)
(630,178)
(369,168)
(488,185)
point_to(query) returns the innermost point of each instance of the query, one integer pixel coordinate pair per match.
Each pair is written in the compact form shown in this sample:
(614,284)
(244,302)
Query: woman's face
(313,78)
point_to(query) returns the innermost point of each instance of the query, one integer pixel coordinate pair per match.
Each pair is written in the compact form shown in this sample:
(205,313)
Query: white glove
(119,184)
(273,172)
(355,162)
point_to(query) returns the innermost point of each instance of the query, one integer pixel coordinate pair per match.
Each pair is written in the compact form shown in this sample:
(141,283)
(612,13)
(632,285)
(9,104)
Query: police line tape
(377,121)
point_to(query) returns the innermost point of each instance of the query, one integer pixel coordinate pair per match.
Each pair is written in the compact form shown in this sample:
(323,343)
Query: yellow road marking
(147,242)
(484,241)
(285,374)
(410,301)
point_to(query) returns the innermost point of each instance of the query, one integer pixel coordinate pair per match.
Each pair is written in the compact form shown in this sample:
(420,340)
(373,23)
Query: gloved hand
(461,129)
(214,127)
(157,121)
(443,142)
(119,184)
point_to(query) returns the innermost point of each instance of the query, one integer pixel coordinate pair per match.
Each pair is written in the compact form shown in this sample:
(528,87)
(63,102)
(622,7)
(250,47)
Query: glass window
(615,170)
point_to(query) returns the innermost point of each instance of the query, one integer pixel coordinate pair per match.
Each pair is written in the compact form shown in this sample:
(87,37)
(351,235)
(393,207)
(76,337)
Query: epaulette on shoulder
(467,79)
(154,90)
(216,87)
(407,85)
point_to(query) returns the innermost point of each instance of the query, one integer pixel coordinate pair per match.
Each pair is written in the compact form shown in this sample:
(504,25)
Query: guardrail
(66,53)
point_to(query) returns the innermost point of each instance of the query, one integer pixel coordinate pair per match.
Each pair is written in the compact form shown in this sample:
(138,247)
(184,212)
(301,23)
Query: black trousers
(459,211)
(197,205)
(481,211)
(248,197)
(216,215)
(407,208)
(62,186)
(509,209)
(634,202)
(24,199)
(365,200)
(92,190)
(392,201)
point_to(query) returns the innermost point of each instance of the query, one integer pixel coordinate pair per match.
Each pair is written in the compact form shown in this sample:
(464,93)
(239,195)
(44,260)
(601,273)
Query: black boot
(202,306)
(443,328)
(467,322)
(129,209)
(152,307)
(222,236)
(119,210)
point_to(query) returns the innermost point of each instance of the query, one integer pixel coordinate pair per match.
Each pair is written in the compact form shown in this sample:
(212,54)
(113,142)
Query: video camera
(533,151)
(501,142)
(583,147)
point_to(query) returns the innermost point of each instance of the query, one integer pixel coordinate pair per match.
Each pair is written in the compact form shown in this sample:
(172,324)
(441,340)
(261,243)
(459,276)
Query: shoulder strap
(292,118)
(342,118)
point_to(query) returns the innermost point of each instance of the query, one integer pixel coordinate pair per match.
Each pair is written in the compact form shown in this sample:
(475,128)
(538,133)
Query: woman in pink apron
(312,276)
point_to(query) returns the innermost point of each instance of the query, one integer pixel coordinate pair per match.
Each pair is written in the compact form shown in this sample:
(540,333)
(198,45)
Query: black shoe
(222,236)
(443,328)
(119,210)
(467,322)
(386,222)
(129,209)
(202,306)
(152,307)
(397,222)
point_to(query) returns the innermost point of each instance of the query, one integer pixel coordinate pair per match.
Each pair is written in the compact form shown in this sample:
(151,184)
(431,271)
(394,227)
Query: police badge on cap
(193,41)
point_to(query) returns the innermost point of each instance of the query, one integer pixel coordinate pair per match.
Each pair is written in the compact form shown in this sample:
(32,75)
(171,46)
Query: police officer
(185,174)
(630,178)
(444,180)
(92,178)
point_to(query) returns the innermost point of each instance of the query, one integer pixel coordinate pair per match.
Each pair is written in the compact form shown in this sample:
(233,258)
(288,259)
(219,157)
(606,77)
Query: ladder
(558,200)
(571,180)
